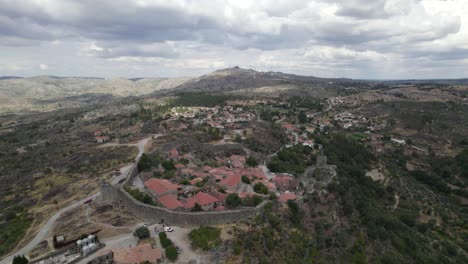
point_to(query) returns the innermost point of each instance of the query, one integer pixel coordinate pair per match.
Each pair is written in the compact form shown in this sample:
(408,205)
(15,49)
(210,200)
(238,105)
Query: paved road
(44,230)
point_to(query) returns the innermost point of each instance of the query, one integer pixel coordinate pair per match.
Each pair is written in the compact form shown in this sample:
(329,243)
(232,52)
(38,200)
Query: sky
(364,39)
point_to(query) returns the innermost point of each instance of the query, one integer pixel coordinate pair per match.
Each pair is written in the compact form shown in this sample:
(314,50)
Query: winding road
(44,230)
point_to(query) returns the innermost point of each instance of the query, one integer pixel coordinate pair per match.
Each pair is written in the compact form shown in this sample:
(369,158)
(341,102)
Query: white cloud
(342,37)
(43,67)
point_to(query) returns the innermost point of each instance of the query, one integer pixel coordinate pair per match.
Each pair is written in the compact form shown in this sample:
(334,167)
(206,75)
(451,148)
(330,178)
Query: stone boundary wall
(117,196)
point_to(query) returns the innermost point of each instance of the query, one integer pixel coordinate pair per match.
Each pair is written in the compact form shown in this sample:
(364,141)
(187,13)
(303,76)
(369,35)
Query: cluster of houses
(217,117)
(298,135)
(348,120)
(208,186)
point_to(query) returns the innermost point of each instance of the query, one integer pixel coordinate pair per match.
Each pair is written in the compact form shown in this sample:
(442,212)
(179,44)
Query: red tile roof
(201,198)
(161,186)
(136,254)
(204,198)
(170,201)
(179,166)
(232,180)
(174,154)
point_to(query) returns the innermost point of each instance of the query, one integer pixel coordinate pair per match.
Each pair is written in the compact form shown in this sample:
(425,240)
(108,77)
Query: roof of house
(179,166)
(287,196)
(170,201)
(173,154)
(161,186)
(282,180)
(204,198)
(136,254)
(232,180)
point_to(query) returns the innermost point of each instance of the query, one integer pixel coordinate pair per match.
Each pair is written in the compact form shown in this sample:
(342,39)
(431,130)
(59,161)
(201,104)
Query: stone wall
(117,196)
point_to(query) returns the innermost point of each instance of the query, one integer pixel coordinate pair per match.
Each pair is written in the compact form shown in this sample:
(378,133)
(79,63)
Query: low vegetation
(205,237)
(292,160)
(142,232)
(140,196)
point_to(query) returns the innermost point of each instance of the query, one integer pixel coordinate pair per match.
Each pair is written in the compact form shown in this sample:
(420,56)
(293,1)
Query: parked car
(168,229)
(146,224)
(178,250)
(134,183)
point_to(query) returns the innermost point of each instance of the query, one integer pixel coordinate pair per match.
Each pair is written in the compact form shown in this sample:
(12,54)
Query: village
(218,175)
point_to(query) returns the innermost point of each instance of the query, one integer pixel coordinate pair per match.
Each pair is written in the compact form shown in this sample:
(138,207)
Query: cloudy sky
(372,39)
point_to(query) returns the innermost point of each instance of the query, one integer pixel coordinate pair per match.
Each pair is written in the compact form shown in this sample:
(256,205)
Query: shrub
(251,161)
(165,242)
(205,237)
(171,253)
(233,200)
(252,201)
(20,260)
(245,179)
(197,208)
(168,165)
(142,232)
(260,188)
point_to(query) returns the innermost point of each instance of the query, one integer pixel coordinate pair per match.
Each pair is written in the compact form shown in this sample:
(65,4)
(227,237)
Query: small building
(160,187)
(87,245)
(101,139)
(398,141)
(140,254)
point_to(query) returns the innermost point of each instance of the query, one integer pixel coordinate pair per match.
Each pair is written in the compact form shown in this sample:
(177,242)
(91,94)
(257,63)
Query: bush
(142,197)
(260,188)
(168,165)
(245,179)
(20,260)
(233,200)
(205,237)
(171,253)
(252,201)
(142,232)
(165,242)
(251,161)
(197,208)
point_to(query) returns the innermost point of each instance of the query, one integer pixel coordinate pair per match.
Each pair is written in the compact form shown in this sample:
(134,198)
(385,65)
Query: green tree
(260,188)
(197,208)
(142,232)
(20,260)
(165,242)
(251,161)
(171,253)
(302,117)
(168,165)
(245,179)
(233,200)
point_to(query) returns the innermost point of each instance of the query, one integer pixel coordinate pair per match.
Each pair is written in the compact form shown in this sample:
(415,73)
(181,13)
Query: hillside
(46,93)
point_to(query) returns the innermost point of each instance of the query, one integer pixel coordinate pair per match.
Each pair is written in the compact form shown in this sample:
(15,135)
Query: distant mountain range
(45,93)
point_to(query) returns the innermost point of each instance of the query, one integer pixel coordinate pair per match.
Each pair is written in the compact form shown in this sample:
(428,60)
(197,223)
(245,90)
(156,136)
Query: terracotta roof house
(285,182)
(102,139)
(160,187)
(138,254)
(174,154)
(179,166)
(289,127)
(232,182)
(205,200)
(170,201)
